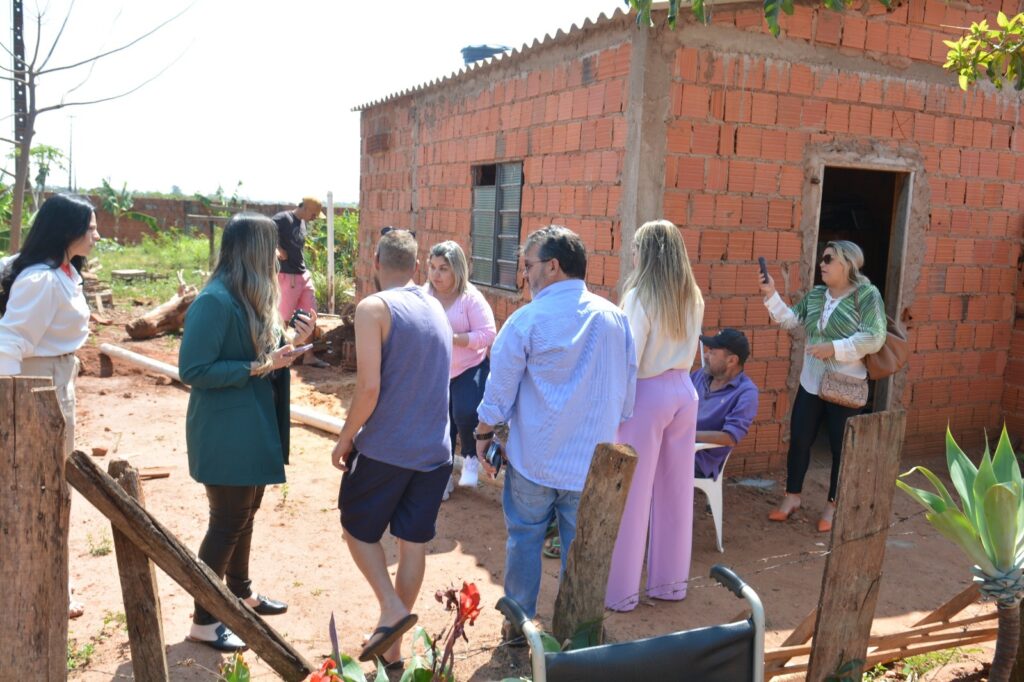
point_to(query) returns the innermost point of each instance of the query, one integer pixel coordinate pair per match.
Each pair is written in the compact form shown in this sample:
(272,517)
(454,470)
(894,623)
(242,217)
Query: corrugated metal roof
(509,57)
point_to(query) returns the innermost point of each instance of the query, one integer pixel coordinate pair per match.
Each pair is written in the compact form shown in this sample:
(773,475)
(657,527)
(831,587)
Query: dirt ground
(299,556)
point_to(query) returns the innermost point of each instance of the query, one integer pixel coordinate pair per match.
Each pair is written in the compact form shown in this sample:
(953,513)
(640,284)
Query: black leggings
(808,411)
(225,548)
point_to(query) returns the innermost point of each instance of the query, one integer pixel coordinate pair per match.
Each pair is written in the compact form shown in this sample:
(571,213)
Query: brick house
(844,127)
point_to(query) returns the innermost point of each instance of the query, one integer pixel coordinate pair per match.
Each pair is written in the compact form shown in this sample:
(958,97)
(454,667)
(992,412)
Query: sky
(256,91)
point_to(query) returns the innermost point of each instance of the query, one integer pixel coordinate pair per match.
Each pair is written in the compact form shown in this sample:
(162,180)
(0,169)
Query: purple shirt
(731,409)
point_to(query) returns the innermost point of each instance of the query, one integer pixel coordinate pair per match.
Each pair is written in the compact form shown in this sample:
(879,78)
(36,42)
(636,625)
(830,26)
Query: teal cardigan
(237,425)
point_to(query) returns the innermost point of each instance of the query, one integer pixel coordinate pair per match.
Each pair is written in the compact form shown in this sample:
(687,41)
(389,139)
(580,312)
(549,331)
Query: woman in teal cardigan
(844,319)
(235,357)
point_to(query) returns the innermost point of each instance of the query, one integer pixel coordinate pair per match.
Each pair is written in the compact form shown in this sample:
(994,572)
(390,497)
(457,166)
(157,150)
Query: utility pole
(20,102)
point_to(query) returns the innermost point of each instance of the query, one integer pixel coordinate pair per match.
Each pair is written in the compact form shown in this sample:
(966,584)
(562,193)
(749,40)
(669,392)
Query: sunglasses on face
(389,229)
(827,258)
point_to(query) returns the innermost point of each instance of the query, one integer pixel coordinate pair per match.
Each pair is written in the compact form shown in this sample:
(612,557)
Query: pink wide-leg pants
(663,431)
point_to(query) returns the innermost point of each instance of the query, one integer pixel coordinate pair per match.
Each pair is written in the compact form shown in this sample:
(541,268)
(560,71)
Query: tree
(119,203)
(28,71)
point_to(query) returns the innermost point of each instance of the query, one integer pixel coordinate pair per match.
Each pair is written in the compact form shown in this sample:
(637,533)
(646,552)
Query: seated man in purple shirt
(726,398)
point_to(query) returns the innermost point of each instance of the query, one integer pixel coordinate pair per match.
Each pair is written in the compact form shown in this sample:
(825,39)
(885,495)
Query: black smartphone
(764,269)
(494,456)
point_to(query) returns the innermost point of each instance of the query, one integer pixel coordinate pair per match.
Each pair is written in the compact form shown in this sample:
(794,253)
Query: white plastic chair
(712,489)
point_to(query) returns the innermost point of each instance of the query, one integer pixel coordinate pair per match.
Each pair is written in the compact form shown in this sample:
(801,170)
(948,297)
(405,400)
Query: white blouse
(46,316)
(656,351)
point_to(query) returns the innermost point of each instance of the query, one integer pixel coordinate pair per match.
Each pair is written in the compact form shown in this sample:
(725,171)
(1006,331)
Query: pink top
(470,313)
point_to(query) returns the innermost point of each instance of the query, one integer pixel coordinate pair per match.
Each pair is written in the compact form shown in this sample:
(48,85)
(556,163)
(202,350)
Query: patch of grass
(916,667)
(79,656)
(117,619)
(162,254)
(101,547)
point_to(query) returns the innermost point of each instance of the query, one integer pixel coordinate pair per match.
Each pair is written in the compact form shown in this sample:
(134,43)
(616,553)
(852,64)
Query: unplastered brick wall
(745,122)
(557,109)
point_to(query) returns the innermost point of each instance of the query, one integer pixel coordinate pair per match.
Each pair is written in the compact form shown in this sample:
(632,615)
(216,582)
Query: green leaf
(551,644)
(1004,463)
(673,13)
(940,487)
(1002,20)
(963,81)
(1000,505)
(985,479)
(954,526)
(931,502)
(771,15)
(382,672)
(699,12)
(962,472)
(350,670)
(787,7)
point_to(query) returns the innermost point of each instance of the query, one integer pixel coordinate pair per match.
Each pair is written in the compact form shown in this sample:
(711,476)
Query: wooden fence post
(853,569)
(139,591)
(580,600)
(34,507)
(177,561)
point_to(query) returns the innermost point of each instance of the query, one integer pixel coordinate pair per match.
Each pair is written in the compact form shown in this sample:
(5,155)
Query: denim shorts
(375,495)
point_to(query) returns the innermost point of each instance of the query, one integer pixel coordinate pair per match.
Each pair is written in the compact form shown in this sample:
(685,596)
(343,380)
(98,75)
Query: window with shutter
(496,222)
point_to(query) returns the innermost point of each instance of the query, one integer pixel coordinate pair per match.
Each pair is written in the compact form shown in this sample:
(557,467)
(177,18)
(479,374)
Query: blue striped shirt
(563,375)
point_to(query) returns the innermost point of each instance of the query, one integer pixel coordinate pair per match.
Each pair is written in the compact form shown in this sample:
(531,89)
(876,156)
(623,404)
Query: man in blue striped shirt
(563,375)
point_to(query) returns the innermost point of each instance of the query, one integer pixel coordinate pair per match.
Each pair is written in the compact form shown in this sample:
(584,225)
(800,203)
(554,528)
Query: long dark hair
(61,220)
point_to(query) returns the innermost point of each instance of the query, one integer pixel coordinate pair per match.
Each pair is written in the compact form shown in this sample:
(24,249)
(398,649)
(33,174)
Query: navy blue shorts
(375,495)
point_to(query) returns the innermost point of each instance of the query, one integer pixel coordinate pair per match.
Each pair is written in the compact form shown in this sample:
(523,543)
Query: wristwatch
(483,436)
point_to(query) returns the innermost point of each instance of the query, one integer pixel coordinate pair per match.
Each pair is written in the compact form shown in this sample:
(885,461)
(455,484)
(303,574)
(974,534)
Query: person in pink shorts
(297,291)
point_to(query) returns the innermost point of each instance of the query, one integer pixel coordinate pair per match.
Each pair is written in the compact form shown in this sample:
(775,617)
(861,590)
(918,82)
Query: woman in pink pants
(665,310)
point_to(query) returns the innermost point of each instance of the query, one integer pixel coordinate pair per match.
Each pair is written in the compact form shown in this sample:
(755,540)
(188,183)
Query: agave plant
(989,529)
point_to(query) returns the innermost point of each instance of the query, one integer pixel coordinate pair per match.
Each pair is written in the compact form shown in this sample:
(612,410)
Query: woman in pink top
(473,333)
(665,310)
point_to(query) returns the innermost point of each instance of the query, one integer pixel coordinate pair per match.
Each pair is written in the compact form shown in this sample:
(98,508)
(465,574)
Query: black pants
(464,395)
(225,548)
(808,411)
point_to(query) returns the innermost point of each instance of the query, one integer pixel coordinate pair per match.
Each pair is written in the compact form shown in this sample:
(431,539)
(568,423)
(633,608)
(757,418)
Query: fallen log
(167,317)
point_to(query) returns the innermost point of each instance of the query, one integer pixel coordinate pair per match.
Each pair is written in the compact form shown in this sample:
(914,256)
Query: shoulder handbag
(843,389)
(893,355)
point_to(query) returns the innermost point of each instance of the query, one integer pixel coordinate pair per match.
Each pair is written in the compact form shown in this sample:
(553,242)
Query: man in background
(297,292)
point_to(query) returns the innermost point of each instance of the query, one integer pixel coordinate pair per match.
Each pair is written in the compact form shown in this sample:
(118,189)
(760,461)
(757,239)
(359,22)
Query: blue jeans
(529,508)
(465,393)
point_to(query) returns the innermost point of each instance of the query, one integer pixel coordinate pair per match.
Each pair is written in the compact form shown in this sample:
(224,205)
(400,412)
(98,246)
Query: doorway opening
(871,209)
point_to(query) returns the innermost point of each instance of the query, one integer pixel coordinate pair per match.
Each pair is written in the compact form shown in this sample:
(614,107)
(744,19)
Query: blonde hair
(663,278)
(247,265)
(853,256)
(456,259)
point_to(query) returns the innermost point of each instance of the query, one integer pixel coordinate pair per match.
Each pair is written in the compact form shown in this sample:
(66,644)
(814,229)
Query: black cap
(732,340)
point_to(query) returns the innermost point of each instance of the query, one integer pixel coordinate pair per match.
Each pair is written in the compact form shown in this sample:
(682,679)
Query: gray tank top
(409,427)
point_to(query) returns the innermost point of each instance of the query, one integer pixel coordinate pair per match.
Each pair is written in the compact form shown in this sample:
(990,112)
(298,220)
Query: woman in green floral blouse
(845,321)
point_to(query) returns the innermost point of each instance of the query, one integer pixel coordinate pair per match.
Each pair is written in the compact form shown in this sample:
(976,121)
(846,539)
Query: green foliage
(994,53)
(346,251)
(119,203)
(701,11)
(235,669)
(79,657)
(163,254)
(990,527)
(876,673)
(102,547)
(219,203)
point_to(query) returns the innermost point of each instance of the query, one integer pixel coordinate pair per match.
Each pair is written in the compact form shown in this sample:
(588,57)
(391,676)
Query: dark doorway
(869,208)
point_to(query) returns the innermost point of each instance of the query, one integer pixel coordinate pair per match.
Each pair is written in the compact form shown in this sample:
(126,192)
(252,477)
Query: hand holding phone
(764,269)
(298,350)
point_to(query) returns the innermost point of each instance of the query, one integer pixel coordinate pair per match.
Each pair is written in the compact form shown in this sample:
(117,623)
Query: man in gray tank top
(394,447)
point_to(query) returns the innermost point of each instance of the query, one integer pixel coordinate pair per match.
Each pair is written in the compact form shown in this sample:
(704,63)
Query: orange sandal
(780,516)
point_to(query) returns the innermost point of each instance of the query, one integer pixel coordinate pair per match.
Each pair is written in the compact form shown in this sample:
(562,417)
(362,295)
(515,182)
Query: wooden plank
(139,591)
(149,473)
(853,569)
(177,561)
(804,631)
(34,507)
(953,606)
(580,599)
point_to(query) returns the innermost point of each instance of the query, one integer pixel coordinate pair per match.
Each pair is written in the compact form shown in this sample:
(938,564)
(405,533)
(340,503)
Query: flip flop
(388,636)
(391,666)
(553,548)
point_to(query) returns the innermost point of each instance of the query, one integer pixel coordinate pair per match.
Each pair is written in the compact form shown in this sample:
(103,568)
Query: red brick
(705,138)
(963,132)
(686,63)
(675,208)
(713,245)
(763,108)
(828,27)
(748,141)
(860,119)
(727,210)
(826,84)
(903,125)
(678,137)
(740,246)
(837,117)
(754,213)
(789,111)
(766,178)
(776,75)
(881,123)
(801,80)
(899,40)
(812,114)
(741,176)
(717,175)
(773,146)
(737,106)
(690,173)
(703,210)
(854,31)
(877,39)
(695,102)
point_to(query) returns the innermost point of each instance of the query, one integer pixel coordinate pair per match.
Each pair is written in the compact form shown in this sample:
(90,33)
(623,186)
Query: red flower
(328,672)
(469,602)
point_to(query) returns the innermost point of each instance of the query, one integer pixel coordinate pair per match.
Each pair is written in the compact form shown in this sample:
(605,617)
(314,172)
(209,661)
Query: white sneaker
(448,490)
(470,472)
